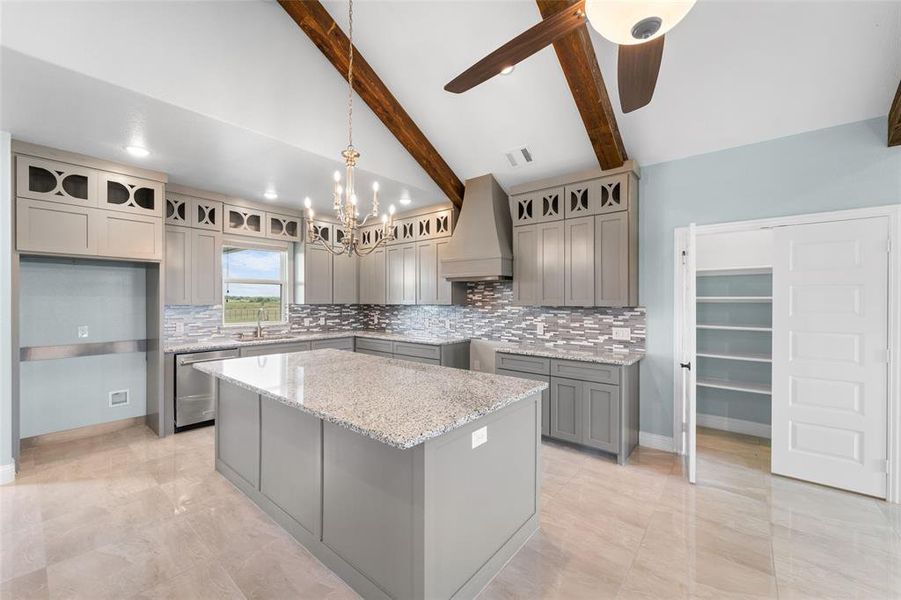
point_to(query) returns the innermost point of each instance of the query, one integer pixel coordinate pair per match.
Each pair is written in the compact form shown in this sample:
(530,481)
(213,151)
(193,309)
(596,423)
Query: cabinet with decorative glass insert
(131,194)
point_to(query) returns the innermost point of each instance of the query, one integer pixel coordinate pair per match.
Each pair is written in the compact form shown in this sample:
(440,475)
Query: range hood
(481,247)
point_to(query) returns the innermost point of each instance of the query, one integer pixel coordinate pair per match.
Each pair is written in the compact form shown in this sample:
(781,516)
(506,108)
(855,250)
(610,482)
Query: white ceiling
(264,108)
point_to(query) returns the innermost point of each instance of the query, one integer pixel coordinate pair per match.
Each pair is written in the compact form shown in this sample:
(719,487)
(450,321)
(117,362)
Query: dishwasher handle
(184,362)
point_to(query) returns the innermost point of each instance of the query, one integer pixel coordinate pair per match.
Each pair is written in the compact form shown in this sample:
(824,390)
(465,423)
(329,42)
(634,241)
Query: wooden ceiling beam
(894,120)
(319,26)
(580,66)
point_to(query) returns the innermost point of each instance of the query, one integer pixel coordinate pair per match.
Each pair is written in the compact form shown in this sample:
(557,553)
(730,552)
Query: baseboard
(734,425)
(7,473)
(655,441)
(78,433)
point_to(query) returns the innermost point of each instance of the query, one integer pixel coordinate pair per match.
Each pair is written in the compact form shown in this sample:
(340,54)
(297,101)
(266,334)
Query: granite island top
(227,342)
(393,401)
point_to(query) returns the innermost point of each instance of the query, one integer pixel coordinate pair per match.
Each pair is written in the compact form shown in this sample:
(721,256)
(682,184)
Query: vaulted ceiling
(215,88)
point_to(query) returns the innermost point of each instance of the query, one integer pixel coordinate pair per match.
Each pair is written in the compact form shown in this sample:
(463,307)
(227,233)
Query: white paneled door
(830,340)
(688,357)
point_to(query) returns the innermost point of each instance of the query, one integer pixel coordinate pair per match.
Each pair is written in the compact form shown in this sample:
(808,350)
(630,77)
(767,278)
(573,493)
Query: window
(253,279)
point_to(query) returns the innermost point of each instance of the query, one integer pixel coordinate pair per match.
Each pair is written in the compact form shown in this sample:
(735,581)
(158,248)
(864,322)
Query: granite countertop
(396,402)
(605,356)
(228,342)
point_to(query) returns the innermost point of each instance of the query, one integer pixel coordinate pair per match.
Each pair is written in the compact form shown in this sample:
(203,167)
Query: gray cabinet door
(525,265)
(346,278)
(402,274)
(551,260)
(284,348)
(124,235)
(426,273)
(579,262)
(49,227)
(611,277)
(317,275)
(566,409)
(178,265)
(206,267)
(444,294)
(600,416)
(545,396)
(238,431)
(373,284)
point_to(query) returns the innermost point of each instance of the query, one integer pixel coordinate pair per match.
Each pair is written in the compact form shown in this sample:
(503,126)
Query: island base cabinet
(238,432)
(545,395)
(437,520)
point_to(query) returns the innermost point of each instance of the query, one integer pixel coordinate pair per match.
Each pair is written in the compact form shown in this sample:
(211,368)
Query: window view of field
(253,280)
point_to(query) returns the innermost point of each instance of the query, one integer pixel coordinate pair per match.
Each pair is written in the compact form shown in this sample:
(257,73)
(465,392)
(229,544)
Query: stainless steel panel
(76,350)
(195,392)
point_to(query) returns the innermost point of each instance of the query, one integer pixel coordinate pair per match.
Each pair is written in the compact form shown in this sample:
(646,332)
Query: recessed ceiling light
(270,195)
(508,69)
(137,151)
(404,201)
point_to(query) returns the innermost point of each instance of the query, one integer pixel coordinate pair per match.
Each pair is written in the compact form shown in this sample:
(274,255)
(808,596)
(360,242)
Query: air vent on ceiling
(519,156)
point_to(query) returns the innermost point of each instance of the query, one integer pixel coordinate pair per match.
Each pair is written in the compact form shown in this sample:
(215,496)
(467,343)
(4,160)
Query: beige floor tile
(204,582)
(31,586)
(21,551)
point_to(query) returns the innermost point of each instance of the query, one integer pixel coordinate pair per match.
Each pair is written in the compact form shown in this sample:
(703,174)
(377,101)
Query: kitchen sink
(252,337)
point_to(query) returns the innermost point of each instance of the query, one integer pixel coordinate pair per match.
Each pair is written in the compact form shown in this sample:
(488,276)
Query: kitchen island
(407,480)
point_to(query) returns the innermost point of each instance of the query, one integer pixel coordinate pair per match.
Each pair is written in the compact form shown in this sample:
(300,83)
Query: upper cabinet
(281,227)
(41,179)
(192,211)
(591,259)
(178,211)
(77,210)
(131,194)
(242,220)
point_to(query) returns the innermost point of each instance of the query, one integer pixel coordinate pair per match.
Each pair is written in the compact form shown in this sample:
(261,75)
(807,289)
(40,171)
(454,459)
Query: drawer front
(194,410)
(523,364)
(418,350)
(419,359)
(545,396)
(275,349)
(584,371)
(338,343)
(373,352)
(377,345)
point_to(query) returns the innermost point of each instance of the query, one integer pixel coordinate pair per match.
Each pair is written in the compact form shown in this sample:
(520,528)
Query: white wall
(7,470)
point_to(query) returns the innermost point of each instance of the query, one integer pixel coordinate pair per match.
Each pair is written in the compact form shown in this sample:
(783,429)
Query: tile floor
(127,515)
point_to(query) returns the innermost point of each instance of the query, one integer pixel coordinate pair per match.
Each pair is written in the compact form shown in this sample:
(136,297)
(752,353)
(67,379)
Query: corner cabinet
(577,245)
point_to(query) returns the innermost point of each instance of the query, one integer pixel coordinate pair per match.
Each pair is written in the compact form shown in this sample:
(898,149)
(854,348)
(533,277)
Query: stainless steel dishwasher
(195,392)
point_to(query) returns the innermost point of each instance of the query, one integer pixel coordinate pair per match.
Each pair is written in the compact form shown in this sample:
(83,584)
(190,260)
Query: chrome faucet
(261,314)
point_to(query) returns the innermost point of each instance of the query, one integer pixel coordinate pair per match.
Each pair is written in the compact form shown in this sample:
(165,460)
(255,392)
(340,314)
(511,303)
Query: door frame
(893,402)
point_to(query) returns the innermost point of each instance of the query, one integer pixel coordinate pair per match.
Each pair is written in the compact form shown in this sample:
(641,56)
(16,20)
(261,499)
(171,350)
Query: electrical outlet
(479,436)
(322,320)
(447,323)
(539,328)
(82,331)
(476,365)
(375,319)
(622,333)
(179,328)
(307,321)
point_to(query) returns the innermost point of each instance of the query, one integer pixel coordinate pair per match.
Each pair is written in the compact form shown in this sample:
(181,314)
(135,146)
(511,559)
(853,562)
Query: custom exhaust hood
(481,247)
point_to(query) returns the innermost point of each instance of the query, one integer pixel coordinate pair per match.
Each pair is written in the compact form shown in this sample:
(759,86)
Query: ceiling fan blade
(637,73)
(519,48)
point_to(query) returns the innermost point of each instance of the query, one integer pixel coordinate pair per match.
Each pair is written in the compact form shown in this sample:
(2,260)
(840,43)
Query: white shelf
(739,357)
(736,299)
(750,270)
(724,384)
(734,328)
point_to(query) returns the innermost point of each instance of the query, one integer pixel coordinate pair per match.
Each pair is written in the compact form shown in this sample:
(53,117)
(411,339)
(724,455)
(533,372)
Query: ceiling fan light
(629,22)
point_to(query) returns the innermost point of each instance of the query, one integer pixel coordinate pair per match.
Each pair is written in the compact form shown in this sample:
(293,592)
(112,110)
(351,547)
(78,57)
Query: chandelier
(344,199)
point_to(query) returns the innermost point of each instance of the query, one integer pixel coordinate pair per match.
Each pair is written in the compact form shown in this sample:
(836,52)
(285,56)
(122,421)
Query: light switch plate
(179,328)
(479,436)
(539,328)
(476,365)
(622,333)
(82,331)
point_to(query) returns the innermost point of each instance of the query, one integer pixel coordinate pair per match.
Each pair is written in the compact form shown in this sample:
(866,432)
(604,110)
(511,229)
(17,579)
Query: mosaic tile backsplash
(489,313)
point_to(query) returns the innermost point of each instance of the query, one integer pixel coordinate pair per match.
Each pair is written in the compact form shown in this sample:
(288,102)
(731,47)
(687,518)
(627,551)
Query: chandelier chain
(350,76)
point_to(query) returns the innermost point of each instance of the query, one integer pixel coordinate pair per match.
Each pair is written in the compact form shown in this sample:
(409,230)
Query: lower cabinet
(448,355)
(284,348)
(584,410)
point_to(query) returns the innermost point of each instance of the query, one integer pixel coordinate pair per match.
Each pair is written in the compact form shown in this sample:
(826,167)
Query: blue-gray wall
(6,295)
(56,296)
(838,168)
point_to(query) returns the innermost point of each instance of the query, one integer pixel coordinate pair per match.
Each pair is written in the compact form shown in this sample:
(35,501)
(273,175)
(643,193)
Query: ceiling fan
(637,27)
